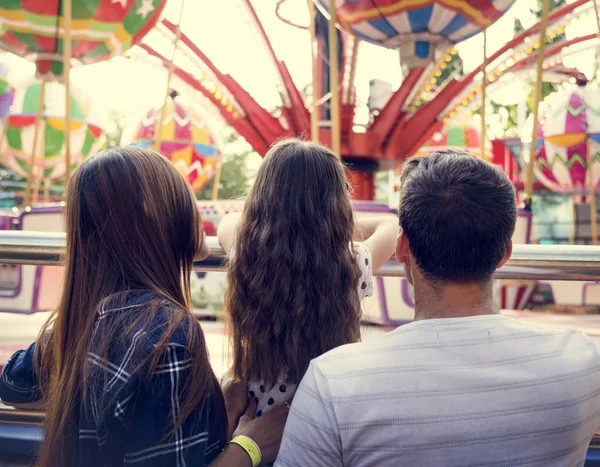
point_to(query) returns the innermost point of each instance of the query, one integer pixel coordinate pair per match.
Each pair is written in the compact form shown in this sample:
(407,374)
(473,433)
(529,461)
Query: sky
(220,30)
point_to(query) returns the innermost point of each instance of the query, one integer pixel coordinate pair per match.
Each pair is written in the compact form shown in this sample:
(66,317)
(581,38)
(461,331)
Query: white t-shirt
(268,399)
(478,391)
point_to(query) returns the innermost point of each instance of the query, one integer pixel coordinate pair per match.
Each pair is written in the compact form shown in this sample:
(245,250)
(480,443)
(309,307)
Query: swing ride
(47,129)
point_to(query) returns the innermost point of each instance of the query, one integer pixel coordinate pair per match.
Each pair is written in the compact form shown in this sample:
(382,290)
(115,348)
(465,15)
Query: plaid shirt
(129,416)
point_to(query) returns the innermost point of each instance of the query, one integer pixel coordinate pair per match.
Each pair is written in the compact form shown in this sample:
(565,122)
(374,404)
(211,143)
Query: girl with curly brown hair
(295,277)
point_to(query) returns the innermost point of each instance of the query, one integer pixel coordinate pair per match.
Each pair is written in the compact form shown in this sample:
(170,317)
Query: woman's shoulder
(174,319)
(145,319)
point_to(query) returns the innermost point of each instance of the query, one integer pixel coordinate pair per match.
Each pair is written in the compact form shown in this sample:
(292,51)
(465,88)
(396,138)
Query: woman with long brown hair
(295,277)
(121,368)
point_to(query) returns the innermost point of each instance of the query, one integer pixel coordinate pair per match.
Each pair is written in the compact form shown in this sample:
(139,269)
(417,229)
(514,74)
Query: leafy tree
(235,176)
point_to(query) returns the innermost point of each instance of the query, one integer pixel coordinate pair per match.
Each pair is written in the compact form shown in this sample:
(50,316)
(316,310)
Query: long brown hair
(132,224)
(292,282)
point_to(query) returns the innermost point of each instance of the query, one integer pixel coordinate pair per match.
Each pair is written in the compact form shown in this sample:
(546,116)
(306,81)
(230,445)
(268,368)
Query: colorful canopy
(50,149)
(7,93)
(457,136)
(417,27)
(99,30)
(569,141)
(185,140)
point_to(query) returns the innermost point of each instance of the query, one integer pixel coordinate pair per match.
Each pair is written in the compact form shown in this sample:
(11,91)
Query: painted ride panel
(31,289)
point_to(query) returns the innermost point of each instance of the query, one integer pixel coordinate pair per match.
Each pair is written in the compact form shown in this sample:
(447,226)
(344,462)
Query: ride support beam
(483,94)
(300,121)
(163,110)
(349,92)
(39,121)
(537,96)
(334,81)
(391,113)
(314,54)
(242,125)
(268,126)
(407,136)
(67,13)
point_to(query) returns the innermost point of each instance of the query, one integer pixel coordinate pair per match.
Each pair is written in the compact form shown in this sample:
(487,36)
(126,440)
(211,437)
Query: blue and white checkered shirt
(128,418)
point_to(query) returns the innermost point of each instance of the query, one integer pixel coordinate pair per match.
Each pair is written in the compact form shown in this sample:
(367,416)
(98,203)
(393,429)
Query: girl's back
(121,368)
(130,401)
(295,279)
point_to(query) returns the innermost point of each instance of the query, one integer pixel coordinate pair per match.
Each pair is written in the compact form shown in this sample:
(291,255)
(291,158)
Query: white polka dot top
(268,398)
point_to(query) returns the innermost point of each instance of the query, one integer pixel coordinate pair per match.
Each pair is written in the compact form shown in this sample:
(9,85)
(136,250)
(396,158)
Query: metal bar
(314,116)
(67,17)
(162,114)
(334,81)
(536,103)
(38,123)
(528,262)
(483,94)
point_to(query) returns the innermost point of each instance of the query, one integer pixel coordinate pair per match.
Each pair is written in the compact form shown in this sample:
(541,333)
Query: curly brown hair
(292,281)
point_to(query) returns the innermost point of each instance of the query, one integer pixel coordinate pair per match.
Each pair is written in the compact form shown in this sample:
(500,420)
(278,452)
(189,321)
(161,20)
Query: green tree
(235,176)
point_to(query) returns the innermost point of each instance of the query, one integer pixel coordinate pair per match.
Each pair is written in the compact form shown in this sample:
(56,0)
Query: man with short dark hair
(462,385)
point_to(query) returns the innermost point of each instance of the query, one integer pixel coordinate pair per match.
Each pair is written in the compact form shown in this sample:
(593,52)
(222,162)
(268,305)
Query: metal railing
(528,262)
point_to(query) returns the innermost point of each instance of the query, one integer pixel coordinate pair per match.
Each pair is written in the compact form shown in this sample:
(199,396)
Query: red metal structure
(411,116)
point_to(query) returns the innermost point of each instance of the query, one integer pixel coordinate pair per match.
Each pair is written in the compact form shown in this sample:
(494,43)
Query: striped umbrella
(50,149)
(568,143)
(456,136)
(99,29)
(417,27)
(185,139)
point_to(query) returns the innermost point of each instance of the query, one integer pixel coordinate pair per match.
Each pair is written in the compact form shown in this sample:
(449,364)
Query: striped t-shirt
(478,391)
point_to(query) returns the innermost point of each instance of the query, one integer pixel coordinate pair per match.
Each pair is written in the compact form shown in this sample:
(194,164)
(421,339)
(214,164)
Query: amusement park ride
(46,130)
(45,134)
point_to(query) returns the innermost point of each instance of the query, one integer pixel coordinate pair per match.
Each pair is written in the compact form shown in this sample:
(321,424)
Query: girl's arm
(19,387)
(226,230)
(232,456)
(30,406)
(265,431)
(379,234)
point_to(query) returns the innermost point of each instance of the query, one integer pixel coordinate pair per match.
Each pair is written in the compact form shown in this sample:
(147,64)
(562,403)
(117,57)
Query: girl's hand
(266,431)
(236,401)
(203,250)
(226,230)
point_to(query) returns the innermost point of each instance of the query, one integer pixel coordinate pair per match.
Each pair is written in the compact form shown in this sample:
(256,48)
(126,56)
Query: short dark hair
(458,213)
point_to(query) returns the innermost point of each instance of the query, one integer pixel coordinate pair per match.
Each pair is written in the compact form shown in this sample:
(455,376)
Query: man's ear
(402,249)
(507,254)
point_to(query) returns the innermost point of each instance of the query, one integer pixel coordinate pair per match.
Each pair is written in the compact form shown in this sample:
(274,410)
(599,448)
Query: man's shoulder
(414,345)
(353,356)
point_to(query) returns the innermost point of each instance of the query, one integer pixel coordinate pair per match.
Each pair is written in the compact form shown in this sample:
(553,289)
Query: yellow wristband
(251,448)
